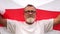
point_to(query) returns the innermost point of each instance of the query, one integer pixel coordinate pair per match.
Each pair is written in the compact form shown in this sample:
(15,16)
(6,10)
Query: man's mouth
(30,16)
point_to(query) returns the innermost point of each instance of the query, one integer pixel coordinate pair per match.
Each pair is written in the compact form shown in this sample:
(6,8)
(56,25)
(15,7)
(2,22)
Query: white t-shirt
(39,27)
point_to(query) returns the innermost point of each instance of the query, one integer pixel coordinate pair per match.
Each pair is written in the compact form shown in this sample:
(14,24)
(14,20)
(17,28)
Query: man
(30,26)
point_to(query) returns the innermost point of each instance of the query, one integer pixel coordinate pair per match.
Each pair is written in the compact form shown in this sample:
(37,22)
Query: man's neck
(29,23)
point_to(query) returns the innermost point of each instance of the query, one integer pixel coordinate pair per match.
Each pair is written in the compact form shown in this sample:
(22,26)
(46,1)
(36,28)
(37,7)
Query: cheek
(25,16)
(34,15)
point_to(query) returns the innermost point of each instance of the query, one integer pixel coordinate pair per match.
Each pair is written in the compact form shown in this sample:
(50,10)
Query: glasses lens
(30,11)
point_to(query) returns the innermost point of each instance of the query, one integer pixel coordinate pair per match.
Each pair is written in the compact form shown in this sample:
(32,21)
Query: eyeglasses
(30,11)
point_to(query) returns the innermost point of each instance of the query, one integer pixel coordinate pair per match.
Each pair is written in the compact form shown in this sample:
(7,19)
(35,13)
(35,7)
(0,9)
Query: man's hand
(3,21)
(57,20)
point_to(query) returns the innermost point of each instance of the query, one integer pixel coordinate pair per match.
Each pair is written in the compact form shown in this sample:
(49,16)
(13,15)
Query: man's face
(30,14)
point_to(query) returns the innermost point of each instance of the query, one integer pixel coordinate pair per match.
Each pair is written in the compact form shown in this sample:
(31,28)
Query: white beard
(30,20)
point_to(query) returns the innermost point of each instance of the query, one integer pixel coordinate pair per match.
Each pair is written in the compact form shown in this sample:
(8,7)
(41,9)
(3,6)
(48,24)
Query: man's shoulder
(45,20)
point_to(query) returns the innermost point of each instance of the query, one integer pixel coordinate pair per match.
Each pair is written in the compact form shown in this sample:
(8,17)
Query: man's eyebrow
(30,10)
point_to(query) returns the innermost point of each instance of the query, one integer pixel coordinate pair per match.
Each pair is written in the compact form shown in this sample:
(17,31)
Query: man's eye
(33,11)
(30,11)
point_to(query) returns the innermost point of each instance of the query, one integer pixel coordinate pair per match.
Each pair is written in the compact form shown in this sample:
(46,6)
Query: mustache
(30,15)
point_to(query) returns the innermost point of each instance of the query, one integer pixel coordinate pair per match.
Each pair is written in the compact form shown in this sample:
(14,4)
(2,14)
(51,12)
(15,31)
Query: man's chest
(30,29)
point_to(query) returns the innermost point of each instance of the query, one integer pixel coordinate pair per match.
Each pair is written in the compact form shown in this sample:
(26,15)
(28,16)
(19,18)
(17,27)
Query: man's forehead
(30,8)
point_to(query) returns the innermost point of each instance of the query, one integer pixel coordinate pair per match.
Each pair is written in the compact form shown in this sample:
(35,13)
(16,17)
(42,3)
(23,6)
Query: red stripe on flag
(17,14)
(44,14)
